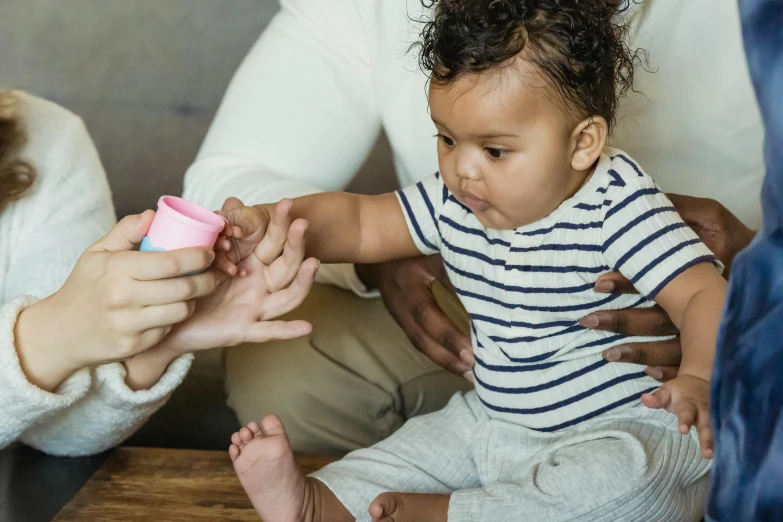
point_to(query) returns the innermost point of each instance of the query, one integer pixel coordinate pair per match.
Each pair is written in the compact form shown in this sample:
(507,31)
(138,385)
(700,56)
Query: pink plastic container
(180,223)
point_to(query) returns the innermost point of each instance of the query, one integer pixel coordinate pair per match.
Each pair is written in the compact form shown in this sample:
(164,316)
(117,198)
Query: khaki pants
(353,382)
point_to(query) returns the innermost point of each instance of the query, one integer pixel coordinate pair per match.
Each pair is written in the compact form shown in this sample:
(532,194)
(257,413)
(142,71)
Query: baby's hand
(249,228)
(688,398)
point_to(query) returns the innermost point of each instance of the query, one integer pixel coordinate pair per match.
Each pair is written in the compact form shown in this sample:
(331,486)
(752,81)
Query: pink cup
(179,223)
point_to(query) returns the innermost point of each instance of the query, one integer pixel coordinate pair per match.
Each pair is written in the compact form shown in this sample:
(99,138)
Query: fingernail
(469,376)
(467,357)
(612,354)
(655,373)
(605,287)
(590,321)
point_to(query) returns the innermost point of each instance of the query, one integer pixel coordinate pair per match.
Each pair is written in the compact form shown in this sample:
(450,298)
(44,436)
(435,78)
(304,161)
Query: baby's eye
(446,140)
(496,153)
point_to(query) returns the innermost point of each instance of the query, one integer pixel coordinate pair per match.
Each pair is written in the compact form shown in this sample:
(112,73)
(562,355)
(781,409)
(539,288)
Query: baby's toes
(255,429)
(246,435)
(234,452)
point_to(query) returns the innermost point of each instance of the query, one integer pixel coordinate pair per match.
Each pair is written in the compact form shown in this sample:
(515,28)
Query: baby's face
(503,149)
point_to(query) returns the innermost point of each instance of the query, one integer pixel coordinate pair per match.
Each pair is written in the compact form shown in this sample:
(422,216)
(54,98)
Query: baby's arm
(342,227)
(694,301)
(350,228)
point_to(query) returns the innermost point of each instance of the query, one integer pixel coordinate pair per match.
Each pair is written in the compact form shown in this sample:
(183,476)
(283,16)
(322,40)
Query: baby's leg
(430,455)
(277,488)
(634,469)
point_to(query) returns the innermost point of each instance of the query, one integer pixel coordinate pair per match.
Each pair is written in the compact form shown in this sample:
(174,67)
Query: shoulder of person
(626,176)
(64,157)
(57,139)
(46,122)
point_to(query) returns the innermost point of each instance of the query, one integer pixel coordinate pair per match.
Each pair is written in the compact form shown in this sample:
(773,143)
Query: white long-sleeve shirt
(41,237)
(305,108)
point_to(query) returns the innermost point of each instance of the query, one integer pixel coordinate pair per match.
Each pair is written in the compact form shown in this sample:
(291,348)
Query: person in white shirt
(91,338)
(302,114)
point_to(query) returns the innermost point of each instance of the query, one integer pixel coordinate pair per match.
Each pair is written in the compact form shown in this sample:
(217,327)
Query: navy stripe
(545,386)
(427,202)
(519,289)
(646,241)
(532,339)
(595,413)
(445,194)
(543,366)
(630,199)
(603,341)
(415,223)
(473,231)
(454,200)
(521,324)
(655,262)
(571,308)
(638,219)
(633,165)
(473,254)
(618,181)
(586,206)
(523,268)
(558,247)
(571,400)
(567,226)
(601,190)
(683,268)
(515,369)
(558,269)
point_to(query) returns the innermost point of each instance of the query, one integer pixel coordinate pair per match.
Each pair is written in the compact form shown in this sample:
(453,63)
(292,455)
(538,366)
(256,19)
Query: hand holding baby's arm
(694,301)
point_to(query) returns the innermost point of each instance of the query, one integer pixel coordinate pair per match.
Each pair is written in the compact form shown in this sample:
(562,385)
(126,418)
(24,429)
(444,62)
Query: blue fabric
(747,391)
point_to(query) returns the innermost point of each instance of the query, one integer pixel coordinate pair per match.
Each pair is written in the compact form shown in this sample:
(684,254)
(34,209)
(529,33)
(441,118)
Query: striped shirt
(525,289)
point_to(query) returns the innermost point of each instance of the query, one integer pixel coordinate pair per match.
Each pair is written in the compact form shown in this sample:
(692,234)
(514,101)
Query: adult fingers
(614,283)
(283,301)
(284,269)
(655,353)
(653,322)
(150,266)
(271,245)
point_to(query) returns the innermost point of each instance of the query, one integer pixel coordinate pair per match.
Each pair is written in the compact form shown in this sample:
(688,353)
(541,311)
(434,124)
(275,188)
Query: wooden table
(149,485)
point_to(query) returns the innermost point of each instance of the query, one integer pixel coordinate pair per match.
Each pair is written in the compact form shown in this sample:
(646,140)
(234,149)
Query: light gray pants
(629,466)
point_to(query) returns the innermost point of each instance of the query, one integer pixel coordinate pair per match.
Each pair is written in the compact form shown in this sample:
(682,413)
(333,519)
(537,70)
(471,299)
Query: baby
(528,209)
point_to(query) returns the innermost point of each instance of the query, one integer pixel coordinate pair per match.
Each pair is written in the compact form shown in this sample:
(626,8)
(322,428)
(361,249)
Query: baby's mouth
(475,204)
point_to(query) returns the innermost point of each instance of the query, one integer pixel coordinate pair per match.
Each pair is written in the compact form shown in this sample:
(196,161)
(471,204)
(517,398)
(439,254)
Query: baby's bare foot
(277,488)
(409,507)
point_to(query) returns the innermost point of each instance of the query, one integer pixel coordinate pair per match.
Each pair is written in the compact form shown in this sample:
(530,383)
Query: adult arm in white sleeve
(298,117)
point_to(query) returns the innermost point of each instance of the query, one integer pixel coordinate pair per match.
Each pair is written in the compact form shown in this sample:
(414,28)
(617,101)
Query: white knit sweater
(41,237)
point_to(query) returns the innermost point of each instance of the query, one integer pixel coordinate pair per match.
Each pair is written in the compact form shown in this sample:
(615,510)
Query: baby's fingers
(660,398)
(705,434)
(686,416)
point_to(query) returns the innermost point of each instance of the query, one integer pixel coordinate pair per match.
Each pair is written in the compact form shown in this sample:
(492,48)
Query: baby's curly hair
(578,45)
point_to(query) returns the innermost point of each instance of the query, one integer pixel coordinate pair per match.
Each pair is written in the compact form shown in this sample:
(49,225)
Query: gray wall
(145,75)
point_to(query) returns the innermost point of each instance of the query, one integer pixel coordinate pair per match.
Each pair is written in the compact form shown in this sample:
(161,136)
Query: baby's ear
(589,139)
